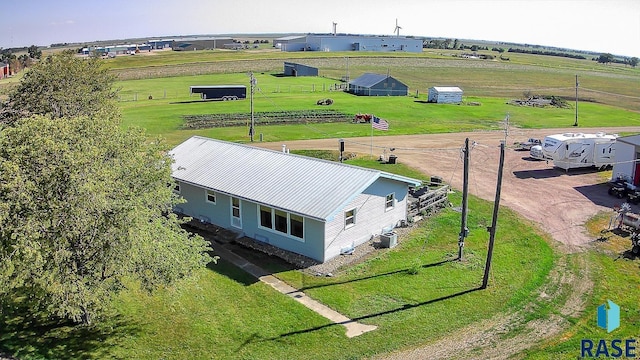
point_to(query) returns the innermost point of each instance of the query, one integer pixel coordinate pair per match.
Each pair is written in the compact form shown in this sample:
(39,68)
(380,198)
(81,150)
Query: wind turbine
(397,29)
(334,28)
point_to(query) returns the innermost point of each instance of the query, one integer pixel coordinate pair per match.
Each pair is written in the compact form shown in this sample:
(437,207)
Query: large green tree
(62,85)
(85,206)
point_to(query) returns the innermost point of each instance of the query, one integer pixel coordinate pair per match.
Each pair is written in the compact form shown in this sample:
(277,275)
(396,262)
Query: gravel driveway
(559,201)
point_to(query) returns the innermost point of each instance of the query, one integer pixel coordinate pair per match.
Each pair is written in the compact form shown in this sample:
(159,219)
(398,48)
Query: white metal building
(312,207)
(445,95)
(627,160)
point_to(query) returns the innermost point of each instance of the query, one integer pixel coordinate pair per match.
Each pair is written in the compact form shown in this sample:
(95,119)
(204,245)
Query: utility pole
(494,221)
(576,122)
(464,231)
(253,83)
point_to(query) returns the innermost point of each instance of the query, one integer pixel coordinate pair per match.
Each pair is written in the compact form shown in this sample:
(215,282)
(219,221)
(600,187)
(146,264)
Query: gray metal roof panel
(303,185)
(368,80)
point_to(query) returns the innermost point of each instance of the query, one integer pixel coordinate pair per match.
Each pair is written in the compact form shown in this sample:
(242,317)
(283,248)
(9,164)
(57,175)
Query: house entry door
(236,213)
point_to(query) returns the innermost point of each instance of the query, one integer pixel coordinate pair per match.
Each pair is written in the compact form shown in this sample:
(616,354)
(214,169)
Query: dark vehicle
(526,145)
(220,92)
(621,188)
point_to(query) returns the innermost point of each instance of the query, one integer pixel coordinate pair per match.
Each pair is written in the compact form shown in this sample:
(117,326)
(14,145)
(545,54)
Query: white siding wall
(625,153)
(371,220)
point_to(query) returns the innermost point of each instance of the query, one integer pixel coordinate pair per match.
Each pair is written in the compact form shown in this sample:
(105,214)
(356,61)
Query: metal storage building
(377,85)
(445,95)
(627,159)
(293,69)
(349,43)
(200,43)
(309,206)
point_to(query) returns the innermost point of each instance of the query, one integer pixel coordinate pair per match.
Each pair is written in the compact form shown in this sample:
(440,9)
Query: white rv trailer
(578,150)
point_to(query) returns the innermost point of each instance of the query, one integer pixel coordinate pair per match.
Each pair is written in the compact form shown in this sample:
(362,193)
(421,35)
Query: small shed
(377,85)
(627,164)
(445,95)
(293,69)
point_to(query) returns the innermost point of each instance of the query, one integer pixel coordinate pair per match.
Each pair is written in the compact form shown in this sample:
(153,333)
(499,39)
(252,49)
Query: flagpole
(371,150)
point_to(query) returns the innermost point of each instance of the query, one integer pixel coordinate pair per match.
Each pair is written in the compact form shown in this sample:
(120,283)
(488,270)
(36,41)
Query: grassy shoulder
(414,293)
(616,277)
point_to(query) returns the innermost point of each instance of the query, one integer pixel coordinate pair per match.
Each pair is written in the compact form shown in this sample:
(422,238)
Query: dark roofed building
(377,85)
(293,69)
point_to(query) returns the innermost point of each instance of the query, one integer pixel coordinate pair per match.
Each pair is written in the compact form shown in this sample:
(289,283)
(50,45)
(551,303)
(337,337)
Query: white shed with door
(445,95)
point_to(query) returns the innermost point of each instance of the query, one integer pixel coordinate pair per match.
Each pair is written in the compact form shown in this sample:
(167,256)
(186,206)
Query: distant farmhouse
(377,85)
(308,206)
(293,69)
(445,95)
(348,43)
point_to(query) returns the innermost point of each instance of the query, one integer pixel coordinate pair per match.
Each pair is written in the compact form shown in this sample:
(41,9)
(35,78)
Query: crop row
(265,118)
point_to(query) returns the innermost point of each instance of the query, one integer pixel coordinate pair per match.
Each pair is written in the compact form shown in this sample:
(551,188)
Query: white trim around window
(390,202)
(350,218)
(210,196)
(281,222)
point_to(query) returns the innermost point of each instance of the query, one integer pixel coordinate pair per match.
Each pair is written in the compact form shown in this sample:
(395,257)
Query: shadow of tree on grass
(28,334)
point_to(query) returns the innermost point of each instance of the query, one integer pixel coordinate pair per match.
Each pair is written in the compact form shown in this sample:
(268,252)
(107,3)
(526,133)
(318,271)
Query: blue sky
(598,25)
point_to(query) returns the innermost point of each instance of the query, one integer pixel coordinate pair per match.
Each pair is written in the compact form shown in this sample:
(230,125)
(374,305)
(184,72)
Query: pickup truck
(526,145)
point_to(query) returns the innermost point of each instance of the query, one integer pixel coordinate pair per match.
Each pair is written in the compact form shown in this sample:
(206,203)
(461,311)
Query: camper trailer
(578,150)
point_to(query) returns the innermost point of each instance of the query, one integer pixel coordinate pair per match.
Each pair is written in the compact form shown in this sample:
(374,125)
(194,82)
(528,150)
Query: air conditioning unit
(388,239)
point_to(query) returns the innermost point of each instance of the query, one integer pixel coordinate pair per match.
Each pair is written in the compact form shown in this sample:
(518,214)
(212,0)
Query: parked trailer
(220,92)
(578,150)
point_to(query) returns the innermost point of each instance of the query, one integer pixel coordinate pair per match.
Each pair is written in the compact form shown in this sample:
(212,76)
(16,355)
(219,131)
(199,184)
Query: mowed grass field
(413,293)
(608,93)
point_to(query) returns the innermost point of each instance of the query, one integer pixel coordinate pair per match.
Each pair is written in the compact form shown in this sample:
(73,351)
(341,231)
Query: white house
(445,95)
(312,207)
(627,160)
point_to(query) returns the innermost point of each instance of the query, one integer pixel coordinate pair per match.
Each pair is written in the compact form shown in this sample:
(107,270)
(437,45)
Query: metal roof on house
(368,80)
(448,89)
(299,184)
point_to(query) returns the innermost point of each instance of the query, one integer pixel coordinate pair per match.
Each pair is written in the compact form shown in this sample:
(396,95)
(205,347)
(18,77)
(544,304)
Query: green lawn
(413,293)
(406,115)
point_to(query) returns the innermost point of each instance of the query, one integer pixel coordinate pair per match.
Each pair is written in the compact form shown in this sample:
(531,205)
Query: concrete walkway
(354,328)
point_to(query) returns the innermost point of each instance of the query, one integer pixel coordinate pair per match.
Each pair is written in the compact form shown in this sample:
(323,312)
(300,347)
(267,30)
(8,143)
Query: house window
(349,218)
(297,225)
(281,221)
(265,217)
(176,187)
(389,201)
(210,196)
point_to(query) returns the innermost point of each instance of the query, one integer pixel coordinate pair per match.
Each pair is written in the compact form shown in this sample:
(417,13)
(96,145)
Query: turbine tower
(397,29)
(334,28)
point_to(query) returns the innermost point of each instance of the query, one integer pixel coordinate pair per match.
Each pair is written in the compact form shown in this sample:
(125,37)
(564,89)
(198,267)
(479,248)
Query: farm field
(419,300)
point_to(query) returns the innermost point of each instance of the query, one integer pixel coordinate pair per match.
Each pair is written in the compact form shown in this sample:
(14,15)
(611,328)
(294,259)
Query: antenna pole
(253,82)
(464,231)
(494,221)
(576,122)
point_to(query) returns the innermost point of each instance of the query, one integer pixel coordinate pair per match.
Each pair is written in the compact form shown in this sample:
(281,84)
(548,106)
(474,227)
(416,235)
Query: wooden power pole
(494,221)
(464,231)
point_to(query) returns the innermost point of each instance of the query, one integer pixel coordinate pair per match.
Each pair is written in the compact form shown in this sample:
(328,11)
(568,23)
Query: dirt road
(559,201)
